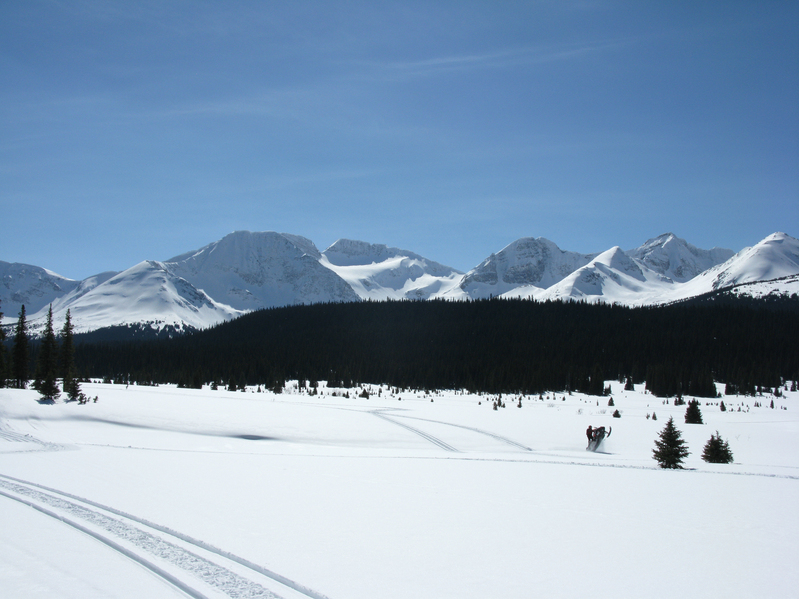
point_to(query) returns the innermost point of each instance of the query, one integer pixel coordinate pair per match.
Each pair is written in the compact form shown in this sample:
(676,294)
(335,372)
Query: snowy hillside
(378,272)
(784,286)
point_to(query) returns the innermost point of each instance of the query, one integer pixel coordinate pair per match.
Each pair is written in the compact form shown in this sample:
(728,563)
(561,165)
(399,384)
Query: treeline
(492,346)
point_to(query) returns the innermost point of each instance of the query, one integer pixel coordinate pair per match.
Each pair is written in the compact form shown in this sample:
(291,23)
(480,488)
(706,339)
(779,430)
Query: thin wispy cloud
(491,60)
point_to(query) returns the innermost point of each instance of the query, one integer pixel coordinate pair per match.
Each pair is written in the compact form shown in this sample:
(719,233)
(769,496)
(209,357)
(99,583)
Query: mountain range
(246,271)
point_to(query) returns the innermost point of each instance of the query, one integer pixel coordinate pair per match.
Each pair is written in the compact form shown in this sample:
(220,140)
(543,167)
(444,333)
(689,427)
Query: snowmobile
(597,438)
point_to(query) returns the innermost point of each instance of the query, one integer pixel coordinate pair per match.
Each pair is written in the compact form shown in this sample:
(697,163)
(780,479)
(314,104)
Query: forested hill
(491,345)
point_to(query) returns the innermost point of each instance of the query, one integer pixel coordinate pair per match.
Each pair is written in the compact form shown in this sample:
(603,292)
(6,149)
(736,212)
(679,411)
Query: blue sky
(142,130)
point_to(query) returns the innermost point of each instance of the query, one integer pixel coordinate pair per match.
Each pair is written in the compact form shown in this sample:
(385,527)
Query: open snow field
(164,492)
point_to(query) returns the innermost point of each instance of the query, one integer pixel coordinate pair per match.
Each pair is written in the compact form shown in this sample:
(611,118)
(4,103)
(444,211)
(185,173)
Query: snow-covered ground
(160,492)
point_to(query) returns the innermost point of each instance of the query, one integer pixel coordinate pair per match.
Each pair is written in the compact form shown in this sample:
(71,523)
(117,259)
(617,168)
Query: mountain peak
(240,243)
(778,237)
(526,262)
(247,271)
(677,259)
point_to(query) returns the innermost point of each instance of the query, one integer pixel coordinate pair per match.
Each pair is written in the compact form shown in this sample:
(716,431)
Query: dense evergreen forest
(492,346)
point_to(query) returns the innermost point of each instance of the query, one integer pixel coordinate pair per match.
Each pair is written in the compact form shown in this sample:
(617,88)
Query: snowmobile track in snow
(217,576)
(473,429)
(424,435)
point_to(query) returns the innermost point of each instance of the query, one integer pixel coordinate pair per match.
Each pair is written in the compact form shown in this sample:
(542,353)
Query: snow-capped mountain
(378,272)
(245,271)
(525,263)
(248,271)
(145,293)
(677,259)
(621,277)
(31,286)
(612,277)
(774,258)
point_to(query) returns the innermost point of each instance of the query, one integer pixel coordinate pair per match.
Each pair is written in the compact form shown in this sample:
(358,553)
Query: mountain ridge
(245,271)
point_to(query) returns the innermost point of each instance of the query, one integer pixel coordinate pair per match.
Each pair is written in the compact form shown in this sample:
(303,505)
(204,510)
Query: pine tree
(21,352)
(670,449)
(693,415)
(70,383)
(47,363)
(717,450)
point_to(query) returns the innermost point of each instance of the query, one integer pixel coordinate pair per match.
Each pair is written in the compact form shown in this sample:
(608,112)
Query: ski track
(15,437)
(214,575)
(434,440)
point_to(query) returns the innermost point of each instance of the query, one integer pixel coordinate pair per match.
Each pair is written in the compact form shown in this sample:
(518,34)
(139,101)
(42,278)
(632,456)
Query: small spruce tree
(70,383)
(717,450)
(693,415)
(670,449)
(21,352)
(47,364)
(628,385)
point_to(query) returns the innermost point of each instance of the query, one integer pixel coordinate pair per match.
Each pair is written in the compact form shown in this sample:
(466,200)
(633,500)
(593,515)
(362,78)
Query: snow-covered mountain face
(145,293)
(31,286)
(242,272)
(526,263)
(245,271)
(776,258)
(248,271)
(622,277)
(378,272)
(612,277)
(676,258)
